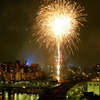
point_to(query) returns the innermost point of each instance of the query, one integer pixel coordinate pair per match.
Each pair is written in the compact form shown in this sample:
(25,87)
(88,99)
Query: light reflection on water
(22,96)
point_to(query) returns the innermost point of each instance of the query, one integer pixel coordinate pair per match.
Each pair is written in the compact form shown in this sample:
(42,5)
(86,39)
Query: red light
(10,74)
(85,75)
(61,60)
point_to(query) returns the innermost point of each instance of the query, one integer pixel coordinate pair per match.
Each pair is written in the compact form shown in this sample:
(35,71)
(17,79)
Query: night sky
(17,43)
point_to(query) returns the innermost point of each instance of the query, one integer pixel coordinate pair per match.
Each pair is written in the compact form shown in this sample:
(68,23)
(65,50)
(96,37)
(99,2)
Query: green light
(23,86)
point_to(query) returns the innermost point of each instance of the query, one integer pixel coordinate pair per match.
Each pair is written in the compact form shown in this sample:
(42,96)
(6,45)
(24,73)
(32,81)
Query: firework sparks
(58,65)
(58,23)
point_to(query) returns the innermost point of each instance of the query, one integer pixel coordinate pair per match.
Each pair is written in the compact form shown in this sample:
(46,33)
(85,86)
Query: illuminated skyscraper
(93,87)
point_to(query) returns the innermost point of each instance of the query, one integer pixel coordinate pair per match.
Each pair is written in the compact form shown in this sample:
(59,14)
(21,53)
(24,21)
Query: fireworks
(58,23)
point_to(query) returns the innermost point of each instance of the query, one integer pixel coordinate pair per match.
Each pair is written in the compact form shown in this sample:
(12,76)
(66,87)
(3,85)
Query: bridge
(56,93)
(18,89)
(59,92)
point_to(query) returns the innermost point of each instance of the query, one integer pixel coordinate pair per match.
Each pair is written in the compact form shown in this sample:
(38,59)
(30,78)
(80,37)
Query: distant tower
(98,69)
(34,68)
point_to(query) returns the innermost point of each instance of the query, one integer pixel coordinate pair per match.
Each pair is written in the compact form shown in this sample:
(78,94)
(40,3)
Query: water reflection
(23,96)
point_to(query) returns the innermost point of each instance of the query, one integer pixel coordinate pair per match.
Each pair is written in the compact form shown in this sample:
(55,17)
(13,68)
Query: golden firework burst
(58,23)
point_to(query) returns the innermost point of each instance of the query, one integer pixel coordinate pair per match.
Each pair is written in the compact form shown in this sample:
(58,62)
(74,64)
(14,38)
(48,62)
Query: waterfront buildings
(10,71)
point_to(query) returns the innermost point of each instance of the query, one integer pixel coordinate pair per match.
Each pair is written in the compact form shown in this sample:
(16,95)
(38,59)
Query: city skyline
(17,43)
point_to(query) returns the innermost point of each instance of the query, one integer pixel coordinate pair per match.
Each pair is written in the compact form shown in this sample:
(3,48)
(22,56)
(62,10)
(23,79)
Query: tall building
(34,68)
(1,70)
(93,87)
(98,69)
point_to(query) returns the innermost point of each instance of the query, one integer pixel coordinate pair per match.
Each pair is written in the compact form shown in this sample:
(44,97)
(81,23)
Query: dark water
(21,96)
